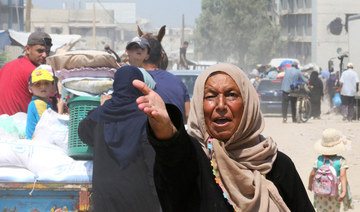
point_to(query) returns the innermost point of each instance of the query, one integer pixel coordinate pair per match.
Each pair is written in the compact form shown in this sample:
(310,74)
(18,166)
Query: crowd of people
(339,90)
(144,157)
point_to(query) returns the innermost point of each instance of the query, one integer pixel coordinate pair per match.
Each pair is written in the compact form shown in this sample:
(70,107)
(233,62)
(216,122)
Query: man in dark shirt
(168,86)
(183,61)
(291,76)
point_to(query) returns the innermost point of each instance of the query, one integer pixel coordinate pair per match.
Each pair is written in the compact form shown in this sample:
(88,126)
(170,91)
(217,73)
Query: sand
(297,140)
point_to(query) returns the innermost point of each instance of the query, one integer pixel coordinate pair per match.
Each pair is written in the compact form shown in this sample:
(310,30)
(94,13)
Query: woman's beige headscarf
(241,161)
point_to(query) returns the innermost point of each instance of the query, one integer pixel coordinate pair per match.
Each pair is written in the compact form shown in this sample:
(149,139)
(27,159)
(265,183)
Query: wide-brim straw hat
(331,143)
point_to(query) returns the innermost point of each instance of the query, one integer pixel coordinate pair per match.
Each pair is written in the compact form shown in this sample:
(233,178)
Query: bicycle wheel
(305,110)
(298,109)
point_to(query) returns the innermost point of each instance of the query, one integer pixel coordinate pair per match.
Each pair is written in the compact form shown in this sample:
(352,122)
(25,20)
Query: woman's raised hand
(154,107)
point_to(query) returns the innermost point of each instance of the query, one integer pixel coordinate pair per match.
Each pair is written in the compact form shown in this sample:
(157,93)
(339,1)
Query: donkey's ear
(140,33)
(161,33)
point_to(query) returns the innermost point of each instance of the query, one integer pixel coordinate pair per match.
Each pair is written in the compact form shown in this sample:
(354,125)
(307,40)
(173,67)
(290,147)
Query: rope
(33,188)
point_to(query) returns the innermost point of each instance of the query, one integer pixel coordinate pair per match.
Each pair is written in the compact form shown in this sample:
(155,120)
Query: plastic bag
(36,156)
(16,174)
(337,100)
(52,128)
(13,126)
(8,156)
(77,172)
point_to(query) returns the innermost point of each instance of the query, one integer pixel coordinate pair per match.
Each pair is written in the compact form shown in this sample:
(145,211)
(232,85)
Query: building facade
(99,24)
(96,27)
(110,28)
(315,30)
(12,15)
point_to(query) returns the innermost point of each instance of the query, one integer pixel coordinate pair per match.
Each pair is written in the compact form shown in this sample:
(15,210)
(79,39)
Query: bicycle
(303,104)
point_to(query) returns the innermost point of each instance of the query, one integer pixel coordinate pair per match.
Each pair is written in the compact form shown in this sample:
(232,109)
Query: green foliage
(3,59)
(238,31)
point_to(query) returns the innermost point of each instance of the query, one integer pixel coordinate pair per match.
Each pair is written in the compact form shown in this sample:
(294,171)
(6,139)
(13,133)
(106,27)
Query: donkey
(164,61)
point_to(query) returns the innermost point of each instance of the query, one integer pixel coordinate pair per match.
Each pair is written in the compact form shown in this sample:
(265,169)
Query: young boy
(137,50)
(41,85)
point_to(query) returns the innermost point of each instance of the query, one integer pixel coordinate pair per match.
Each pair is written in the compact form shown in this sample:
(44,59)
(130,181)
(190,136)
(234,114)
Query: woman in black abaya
(316,94)
(123,158)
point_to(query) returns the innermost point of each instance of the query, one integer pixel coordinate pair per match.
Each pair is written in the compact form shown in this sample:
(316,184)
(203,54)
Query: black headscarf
(124,123)
(314,78)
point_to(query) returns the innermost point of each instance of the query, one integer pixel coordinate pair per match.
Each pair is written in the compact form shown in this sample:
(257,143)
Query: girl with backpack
(328,179)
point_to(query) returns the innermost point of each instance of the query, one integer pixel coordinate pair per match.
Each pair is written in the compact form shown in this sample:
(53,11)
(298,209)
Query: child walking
(329,147)
(41,86)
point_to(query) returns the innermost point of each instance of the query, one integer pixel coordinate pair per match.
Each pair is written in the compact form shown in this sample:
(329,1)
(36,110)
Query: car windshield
(269,85)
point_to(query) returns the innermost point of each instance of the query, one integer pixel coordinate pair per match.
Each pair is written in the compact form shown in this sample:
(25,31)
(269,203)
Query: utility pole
(94,26)
(28,16)
(182,29)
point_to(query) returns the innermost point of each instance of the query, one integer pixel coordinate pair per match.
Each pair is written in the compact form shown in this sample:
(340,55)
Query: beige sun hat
(331,143)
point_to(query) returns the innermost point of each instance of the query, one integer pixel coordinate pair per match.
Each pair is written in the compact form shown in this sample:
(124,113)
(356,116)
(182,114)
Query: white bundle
(53,128)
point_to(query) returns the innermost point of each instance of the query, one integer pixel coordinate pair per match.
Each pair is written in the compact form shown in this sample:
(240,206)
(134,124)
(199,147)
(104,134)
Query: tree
(238,31)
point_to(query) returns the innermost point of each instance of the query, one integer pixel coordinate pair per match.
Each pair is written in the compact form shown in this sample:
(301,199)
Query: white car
(275,62)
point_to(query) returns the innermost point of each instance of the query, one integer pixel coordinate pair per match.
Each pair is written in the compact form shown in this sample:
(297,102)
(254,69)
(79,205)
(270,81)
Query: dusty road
(297,141)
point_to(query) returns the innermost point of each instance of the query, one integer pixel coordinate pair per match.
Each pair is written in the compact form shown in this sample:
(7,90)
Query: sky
(159,12)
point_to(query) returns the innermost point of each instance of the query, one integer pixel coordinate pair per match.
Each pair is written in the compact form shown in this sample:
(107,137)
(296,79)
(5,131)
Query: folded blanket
(96,86)
(101,72)
(82,58)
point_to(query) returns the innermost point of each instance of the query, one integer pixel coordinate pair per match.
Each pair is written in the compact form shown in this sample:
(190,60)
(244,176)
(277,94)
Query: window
(300,4)
(39,29)
(56,30)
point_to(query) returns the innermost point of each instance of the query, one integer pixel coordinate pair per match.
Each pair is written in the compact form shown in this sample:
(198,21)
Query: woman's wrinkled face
(223,106)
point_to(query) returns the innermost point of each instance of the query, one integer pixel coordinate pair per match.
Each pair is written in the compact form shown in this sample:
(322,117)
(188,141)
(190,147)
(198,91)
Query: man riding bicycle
(291,76)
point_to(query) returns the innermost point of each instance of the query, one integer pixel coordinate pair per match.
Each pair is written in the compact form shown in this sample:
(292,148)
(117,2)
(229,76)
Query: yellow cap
(39,74)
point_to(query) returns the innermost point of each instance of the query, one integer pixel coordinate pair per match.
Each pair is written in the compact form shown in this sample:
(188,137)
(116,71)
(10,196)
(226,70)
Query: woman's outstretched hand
(154,107)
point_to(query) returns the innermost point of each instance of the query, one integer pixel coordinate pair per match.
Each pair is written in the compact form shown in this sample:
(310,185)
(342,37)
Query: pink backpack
(325,181)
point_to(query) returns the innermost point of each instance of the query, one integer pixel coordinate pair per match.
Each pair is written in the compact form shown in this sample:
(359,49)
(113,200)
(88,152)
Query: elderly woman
(222,163)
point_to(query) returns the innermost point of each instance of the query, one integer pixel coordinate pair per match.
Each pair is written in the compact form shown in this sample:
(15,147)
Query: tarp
(4,39)
(275,62)
(21,38)
(285,64)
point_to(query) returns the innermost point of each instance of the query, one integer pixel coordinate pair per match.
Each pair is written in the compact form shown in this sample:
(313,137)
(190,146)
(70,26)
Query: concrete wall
(325,43)
(12,15)
(46,19)
(354,42)
(107,32)
(79,22)
(124,13)
(305,23)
